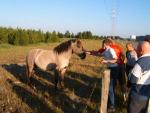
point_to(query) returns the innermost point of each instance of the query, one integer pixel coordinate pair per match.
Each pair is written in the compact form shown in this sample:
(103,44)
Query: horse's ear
(77,39)
(73,40)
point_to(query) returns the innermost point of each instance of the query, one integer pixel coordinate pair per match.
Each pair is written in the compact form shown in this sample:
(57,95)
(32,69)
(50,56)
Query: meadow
(82,76)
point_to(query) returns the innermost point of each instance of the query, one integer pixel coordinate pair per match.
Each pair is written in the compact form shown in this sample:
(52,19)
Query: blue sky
(133,16)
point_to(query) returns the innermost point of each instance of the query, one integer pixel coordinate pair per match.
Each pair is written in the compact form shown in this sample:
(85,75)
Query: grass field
(18,97)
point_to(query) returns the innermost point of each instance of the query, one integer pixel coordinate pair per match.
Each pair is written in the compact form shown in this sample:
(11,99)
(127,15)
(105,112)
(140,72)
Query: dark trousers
(128,69)
(113,81)
(122,77)
(137,103)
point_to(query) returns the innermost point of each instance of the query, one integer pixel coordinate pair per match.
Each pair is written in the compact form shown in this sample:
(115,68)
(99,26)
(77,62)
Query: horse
(56,60)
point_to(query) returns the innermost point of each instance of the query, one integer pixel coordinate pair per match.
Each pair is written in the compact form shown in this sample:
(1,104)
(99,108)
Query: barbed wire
(92,92)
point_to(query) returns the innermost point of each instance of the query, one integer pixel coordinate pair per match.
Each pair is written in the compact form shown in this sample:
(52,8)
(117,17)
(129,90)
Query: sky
(132,17)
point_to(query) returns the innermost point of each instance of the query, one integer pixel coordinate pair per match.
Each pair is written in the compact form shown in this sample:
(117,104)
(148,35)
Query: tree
(60,35)
(54,37)
(3,35)
(72,35)
(79,35)
(67,34)
(47,37)
(11,38)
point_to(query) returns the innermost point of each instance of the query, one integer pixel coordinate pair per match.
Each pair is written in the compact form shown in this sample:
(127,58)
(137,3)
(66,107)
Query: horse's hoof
(65,90)
(33,87)
(29,83)
(56,91)
(60,90)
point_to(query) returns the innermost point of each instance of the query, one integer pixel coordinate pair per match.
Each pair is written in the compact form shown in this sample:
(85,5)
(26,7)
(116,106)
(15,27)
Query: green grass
(79,81)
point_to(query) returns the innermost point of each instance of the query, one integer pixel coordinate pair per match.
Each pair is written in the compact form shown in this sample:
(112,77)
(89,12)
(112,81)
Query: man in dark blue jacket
(140,80)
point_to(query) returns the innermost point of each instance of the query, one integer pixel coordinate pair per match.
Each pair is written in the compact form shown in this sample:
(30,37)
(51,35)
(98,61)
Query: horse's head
(78,48)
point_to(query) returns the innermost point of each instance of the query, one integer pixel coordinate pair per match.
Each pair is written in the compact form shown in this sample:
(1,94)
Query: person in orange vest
(110,58)
(120,61)
(121,67)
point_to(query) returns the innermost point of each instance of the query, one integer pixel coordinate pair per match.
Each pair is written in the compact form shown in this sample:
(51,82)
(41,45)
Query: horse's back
(44,59)
(30,58)
(33,53)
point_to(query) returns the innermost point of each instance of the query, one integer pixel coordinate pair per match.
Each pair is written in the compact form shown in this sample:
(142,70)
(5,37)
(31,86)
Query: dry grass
(18,97)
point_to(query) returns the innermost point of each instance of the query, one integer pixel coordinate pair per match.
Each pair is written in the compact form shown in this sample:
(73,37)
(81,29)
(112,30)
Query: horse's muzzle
(82,55)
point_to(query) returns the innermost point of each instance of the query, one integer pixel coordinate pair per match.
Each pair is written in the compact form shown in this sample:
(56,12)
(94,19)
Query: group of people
(136,65)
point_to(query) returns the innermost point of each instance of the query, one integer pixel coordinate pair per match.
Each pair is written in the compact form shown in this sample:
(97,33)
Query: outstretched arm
(94,53)
(109,61)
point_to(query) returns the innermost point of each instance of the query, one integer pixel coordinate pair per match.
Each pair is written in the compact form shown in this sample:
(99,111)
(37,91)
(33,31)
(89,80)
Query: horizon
(131,17)
(71,32)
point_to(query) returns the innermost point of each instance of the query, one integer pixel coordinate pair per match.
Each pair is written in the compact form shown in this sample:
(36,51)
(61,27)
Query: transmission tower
(112,7)
(114,22)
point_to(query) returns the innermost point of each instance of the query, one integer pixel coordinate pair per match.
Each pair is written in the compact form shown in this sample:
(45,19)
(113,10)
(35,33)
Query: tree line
(18,36)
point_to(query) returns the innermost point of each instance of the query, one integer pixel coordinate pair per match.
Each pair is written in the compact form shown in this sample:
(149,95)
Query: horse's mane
(64,46)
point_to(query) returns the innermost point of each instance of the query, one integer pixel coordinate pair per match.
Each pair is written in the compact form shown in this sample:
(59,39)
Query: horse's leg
(29,71)
(62,73)
(56,78)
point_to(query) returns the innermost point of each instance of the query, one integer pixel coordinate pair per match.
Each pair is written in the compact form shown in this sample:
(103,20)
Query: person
(131,57)
(140,80)
(130,60)
(110,58)
(121,68)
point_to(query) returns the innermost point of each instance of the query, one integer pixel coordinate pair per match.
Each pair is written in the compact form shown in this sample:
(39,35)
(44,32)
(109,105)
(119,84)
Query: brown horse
(56,60)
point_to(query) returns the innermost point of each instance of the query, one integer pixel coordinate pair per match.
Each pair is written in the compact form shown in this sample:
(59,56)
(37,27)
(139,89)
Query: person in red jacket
(121,66)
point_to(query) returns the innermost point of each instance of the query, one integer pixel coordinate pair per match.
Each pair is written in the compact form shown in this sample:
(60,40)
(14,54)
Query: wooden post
(105,90)
(148,110)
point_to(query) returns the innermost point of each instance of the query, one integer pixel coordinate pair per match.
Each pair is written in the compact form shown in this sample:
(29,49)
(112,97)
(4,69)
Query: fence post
(148,110)
(104,91)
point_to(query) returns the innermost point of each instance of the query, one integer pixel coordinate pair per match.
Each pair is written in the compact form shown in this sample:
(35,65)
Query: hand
(87,52)
(104,61)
